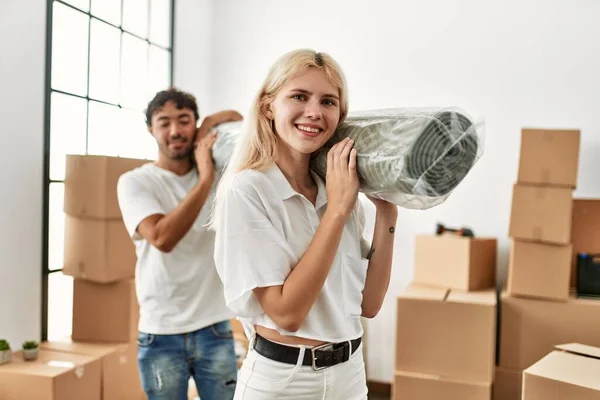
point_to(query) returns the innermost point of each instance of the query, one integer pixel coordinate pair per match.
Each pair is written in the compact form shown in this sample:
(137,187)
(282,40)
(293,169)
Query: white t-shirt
(179,291)
(264,229)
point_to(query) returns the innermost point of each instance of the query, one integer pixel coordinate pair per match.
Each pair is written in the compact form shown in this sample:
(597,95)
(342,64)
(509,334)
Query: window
(106,58)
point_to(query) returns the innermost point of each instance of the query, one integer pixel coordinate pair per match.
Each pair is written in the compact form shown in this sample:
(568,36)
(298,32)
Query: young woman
(290,248)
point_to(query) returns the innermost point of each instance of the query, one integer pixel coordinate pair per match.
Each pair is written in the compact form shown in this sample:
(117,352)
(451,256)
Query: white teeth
(308,129)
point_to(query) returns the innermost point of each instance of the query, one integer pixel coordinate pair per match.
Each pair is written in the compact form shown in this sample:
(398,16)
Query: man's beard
(176,155)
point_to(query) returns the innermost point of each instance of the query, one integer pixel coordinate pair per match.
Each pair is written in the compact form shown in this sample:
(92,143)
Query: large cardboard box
(572,371)
(542,214)
(98,250)
(53,376)
(447,333)
(507,384)
(549,157)
(539,270)
(241,342)
(91,185)
(585,235)
(120,372)
(413,386)
(105,312)
(455,262)
(530,328)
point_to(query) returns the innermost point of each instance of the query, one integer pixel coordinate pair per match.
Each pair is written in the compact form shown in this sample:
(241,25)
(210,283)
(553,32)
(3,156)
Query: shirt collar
(285,190)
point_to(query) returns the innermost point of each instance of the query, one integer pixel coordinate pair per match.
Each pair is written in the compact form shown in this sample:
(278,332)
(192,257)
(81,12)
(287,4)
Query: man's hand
(203,156)
(226,116)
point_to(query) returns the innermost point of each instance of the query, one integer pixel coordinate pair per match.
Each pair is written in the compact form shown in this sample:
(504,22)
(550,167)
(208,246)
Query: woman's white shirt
(265,227)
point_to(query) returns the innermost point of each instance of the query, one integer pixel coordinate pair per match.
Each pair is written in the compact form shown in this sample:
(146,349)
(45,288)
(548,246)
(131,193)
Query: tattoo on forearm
(392,229)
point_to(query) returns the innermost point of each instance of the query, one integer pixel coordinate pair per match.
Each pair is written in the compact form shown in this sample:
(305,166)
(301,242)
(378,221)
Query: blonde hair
(257,145)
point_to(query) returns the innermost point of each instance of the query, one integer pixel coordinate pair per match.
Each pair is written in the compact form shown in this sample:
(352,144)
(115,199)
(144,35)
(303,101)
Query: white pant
(262,378)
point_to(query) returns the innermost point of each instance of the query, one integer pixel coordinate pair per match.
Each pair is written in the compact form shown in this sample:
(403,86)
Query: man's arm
(215,119)
(165,231)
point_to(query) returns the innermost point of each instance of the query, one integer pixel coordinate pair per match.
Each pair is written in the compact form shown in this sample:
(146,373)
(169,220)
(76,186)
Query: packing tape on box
(79,370)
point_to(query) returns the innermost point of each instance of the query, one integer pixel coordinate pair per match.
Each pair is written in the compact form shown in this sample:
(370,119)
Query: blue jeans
(168,361)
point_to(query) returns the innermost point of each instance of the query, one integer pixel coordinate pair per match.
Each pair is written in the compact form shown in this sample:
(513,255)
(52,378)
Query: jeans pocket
(222,330)
(145,339)
(354,274)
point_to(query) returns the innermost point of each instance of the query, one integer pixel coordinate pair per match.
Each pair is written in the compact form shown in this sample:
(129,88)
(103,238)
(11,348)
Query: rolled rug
(412,157)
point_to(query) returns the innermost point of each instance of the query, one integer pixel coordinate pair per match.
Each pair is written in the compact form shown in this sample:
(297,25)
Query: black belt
(319,357)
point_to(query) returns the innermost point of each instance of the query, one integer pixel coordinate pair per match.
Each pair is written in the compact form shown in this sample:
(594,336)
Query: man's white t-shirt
(179,291)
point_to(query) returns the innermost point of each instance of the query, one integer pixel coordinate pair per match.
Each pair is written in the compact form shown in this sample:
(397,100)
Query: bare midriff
(275,336)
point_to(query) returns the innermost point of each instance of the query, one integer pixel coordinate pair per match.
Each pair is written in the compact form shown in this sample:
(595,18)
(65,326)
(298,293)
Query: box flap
(580,349)
(422,292)
(573,369)
(484,297)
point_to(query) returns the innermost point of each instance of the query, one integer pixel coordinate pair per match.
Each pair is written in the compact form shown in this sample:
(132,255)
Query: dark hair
(179,97)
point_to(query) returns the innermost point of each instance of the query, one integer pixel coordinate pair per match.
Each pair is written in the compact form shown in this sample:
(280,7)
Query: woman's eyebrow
(310,93)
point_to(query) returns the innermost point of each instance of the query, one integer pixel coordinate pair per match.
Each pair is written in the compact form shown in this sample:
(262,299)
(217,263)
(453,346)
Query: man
(184,327)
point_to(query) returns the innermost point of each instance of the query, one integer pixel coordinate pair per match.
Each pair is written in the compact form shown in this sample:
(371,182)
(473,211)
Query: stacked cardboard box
(570,371)
(538,310)
(53,376)
(446,324)
(101,258)
(541,214)
(99,360)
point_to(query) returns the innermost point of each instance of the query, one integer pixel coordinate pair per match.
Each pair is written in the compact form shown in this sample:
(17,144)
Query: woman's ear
(266,109)
(268,112)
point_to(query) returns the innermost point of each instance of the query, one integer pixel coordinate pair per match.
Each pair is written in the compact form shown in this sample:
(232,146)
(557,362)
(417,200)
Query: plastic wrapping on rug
(227,136)
(412,157)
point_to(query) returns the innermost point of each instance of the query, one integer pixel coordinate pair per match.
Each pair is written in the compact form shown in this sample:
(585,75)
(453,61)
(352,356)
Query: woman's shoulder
(248,179)
(252,182)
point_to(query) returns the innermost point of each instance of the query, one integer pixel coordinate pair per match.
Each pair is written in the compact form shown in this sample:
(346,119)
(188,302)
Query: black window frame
(47,181)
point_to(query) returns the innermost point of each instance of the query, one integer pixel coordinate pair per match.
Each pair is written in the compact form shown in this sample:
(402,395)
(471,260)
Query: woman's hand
(341,179)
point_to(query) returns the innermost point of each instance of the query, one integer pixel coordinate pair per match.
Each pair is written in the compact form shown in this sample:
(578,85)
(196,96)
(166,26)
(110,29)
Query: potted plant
(5,352)
(30,350)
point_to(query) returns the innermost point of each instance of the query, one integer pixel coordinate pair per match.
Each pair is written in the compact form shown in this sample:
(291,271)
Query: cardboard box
(241,342)
(455,262)
(53,376)
(104,312)
(507,384)
(91,185)
(97,250)
(120,372)
(572,371)
(539,270)
(542,214)
(529,328)
(413,386)
(549,157)
(585,235)
(447,333)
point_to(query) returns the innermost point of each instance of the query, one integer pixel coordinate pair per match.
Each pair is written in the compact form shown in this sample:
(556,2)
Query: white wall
(517,63)
(22,54)
(193,50)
